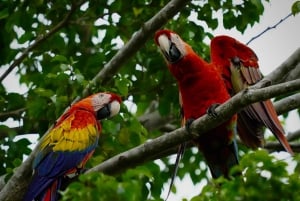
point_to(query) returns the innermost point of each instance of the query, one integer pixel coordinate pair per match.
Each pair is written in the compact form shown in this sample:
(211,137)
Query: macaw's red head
(103,104)
(171,45)
(180,56)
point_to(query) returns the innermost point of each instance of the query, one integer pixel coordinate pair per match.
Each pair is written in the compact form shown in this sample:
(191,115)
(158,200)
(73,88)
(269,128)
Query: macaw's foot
(211,111)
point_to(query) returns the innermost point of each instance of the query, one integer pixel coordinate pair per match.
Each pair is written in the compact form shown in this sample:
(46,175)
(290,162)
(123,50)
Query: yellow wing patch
(66,137)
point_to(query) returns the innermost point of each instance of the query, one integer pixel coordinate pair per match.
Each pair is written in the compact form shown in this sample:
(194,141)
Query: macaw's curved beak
(108,110)
(169,49)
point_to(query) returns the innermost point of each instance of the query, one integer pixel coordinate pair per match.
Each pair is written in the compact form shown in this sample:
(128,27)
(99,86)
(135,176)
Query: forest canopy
(64,51)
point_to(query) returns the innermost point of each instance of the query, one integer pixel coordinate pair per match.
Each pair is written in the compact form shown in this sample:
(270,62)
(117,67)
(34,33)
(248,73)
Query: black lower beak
(104,112)
(174,54)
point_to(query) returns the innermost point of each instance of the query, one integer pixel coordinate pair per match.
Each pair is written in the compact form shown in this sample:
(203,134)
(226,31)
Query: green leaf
(122,85)
(17,162)
(44,92)
(4,13)
(15,100)
(258,5)
(59,58)
(296,7)
(228,18)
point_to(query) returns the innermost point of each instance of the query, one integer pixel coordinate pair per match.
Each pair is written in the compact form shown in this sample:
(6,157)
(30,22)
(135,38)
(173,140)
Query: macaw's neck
(190,64)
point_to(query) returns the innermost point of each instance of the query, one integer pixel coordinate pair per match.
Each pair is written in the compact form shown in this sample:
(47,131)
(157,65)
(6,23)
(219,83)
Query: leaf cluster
(260,170)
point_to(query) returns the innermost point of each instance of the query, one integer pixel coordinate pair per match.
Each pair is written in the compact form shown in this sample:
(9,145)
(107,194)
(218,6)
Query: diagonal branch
(285,68)
(293,74)
(153,147)
(15,187)
(146,151)
(287,104)
(40,39)
(136,42)
(293,136)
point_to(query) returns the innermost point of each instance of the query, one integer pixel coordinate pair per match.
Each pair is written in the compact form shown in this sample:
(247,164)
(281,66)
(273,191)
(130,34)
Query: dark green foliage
(134,185)
(296,8)
(57,69)
(264,178)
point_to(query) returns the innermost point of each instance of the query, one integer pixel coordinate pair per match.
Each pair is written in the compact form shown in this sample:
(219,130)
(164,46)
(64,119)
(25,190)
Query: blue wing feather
(50,166)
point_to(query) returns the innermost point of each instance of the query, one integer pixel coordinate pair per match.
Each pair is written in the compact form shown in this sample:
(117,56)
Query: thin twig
(269,28)
(14,113)
(41,38)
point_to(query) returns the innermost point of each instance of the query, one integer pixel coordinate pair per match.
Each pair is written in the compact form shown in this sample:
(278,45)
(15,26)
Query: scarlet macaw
(69,144)
(201,88)
(239,67)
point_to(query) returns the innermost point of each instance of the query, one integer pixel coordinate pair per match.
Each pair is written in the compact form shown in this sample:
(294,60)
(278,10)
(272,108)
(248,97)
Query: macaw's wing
(76,135)
(65,149)
(252,118)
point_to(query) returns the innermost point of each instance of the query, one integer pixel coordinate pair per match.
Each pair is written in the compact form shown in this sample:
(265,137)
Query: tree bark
(16,186)
(146,151)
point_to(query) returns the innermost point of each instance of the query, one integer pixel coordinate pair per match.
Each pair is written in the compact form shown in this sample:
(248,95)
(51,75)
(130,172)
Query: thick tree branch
(287,104)
(17,184)
(275,146)
(128,50)
(136,42)
(146,151)
(293,136)
(40,39)
(154,121)
(293,74)
(285,68)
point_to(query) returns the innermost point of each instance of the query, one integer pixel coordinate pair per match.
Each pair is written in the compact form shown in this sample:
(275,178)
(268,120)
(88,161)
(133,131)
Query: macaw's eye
(236,60)
(104,112)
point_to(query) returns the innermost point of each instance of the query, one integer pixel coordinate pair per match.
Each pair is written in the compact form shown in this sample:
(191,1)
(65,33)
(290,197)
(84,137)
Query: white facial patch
(114,108)
(164,43)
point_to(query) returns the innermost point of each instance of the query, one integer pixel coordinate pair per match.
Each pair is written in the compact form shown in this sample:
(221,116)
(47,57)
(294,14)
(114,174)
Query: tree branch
(287,104)
(275,146)
(14,113)
(40,39)
(135,43)
(284,69)
(17,184)
(293,74)
(293,136)
(146,151)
